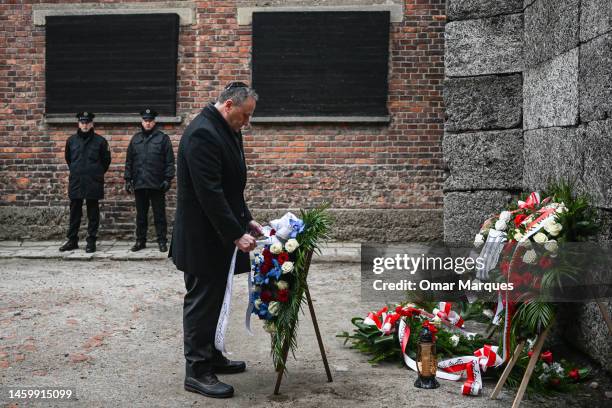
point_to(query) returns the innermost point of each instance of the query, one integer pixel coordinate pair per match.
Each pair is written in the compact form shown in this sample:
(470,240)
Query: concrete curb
(348,252)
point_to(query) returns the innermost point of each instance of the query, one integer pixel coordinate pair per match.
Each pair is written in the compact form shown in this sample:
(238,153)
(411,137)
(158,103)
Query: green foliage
(531,318)
(580,220)
(317,226)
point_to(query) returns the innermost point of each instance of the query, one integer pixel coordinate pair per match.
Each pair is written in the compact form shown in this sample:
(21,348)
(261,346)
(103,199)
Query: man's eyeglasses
(233,85)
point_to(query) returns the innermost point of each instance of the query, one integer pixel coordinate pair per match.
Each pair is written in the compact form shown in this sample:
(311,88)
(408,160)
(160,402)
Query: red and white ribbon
(472,366)
(446,314)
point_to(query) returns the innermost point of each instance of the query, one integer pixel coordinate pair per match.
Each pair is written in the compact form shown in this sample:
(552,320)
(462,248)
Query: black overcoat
(88,157)
(149,160)
(211,212)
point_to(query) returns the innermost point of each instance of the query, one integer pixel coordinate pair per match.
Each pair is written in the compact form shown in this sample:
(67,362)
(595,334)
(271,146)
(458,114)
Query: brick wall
(390,172)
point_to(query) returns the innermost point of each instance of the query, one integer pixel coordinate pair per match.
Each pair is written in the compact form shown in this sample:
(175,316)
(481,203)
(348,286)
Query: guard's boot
(69,246)
(138,246)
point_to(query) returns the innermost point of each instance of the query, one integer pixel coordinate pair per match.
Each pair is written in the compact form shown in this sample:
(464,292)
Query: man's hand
(129,186)
(246,243)
(165,186)
(255,228)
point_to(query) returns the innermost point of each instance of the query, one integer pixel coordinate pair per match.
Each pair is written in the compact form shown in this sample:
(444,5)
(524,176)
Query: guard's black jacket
(211,212)
(88,157)
(149,160)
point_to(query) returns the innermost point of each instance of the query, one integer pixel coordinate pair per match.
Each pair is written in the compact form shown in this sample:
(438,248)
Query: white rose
(282,285)
(287,267)
(454,340)
(530,257)
(291,245)
(561,209)
(276,248)
(540,238)
(518,236)
(505,216)
(500,225)
(553,228)
(257,304)
(478,240)
(437,321)
(273,307)
(551,245)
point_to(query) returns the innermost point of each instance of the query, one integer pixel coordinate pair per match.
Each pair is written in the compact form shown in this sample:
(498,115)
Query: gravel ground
(112,330)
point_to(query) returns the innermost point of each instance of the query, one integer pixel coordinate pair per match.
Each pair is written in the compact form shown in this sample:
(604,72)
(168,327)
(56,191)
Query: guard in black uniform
(149,170)
(88,157)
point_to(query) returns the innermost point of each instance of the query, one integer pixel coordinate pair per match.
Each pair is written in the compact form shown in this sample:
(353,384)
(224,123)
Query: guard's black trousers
(157,199)
(201,308)
(93,219)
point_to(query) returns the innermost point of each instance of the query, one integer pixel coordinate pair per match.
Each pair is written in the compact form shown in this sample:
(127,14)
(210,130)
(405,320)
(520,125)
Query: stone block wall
(483,94)
(529,98)
(568,126)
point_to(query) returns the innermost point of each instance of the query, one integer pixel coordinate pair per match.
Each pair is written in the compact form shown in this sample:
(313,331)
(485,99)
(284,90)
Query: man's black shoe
(91,247)
(69,246)
(227,366)
(138,246)
(163,247)
(209,386)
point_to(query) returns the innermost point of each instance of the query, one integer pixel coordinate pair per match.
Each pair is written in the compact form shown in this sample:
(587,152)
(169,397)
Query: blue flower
(297,227)
(275,273)
(261,280)
(263,310)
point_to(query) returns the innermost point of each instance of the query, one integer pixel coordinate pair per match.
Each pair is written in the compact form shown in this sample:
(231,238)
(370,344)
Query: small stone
(609,394)
(78,358)
(341,368)
(17,314)
(594,385)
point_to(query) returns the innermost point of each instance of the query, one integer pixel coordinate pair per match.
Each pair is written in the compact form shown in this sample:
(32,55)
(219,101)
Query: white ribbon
(225,309)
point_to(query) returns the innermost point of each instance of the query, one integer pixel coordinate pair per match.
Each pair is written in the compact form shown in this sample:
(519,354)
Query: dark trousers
(201,308)
(157,200)
(93,219)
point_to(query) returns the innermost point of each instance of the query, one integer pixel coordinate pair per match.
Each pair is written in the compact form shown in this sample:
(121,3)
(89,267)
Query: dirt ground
(112,331)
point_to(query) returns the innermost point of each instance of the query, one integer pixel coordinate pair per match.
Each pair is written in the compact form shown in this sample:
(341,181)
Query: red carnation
(265,268)
(519,219)
(530,353)
(282,257)
(547,357)
(546,262)
(267,254)
(282,295)
(266,296)
(555,382)
(574,374)
(527,278)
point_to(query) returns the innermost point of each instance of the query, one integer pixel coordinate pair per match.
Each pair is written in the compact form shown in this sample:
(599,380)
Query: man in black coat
(212,219)
(149,170)
(88,157)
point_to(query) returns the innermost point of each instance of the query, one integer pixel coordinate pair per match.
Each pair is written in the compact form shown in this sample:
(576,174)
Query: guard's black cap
(148,114)
(85,116)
